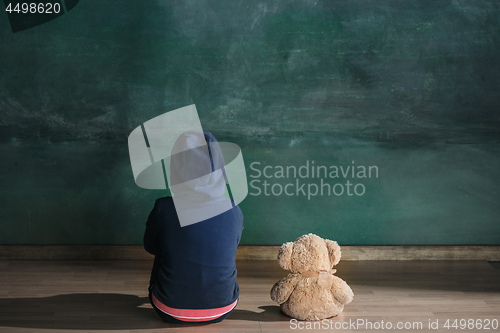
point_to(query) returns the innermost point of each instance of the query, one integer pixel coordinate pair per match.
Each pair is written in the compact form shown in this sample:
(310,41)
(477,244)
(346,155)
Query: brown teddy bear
(310,291)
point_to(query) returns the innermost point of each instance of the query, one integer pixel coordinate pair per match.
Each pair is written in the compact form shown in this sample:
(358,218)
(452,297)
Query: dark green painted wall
(408,86)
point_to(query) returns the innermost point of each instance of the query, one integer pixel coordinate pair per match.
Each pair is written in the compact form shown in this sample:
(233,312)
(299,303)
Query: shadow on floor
(495,264)
(269,313)
(101,312)
(79,311)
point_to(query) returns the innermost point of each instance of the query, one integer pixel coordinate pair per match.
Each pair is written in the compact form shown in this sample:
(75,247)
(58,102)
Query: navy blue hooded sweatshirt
(194,265)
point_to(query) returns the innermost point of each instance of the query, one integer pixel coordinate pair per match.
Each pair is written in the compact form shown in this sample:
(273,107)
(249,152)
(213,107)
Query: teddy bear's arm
(341,290)
(284,287)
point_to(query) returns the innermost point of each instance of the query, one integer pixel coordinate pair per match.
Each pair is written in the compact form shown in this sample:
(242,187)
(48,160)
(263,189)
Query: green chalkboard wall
(408,88)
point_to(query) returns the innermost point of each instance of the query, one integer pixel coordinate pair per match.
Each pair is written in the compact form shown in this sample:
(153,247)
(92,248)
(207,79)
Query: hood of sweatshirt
(197,166)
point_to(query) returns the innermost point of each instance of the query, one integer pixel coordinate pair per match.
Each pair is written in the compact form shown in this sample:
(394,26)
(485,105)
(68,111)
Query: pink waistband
(193,315)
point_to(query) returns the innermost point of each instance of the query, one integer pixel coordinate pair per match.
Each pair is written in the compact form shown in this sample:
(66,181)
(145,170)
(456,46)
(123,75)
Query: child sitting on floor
(194,271)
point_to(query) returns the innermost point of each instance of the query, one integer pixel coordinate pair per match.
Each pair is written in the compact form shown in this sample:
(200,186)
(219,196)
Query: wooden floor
(92,296)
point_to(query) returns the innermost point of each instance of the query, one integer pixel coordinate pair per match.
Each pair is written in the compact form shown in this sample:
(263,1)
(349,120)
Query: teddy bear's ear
(285,256)
(333,251)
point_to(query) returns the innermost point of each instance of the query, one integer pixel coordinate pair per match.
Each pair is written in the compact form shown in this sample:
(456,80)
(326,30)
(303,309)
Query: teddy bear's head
(309,253)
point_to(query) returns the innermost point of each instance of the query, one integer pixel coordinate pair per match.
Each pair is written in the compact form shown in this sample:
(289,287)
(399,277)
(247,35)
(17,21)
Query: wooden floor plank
(111,296)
